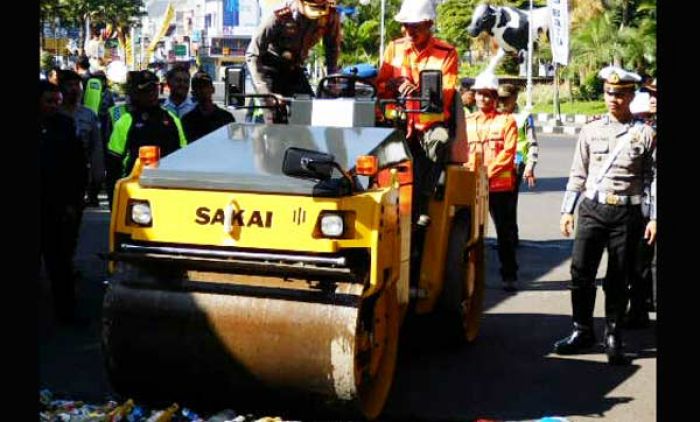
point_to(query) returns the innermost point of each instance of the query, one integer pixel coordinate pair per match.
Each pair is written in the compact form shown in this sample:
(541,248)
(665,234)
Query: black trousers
(502,210)
(59,238)
(641,290)
(600,227)
(518,182)
(284,80)
(426,174)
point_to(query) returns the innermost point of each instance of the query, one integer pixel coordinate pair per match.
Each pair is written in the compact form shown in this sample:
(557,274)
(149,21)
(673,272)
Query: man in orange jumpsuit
(399,76)
(494,137)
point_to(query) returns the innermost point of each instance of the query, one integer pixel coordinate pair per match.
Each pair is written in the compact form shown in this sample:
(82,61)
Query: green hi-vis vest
(117,141)
(116,112)
(523,147)
(93,94)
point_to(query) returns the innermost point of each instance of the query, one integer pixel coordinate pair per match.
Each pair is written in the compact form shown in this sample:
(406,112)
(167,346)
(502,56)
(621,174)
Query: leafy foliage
(361,31)
(118,13)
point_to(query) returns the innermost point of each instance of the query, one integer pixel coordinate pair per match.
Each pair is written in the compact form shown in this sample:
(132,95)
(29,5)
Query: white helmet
(485,80)
(415,11)
(640,103)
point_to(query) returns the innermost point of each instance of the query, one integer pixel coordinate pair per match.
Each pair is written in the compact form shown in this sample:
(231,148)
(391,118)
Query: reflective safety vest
(118,140)
(116,112)
(523,120)
(488,136)
(92,98)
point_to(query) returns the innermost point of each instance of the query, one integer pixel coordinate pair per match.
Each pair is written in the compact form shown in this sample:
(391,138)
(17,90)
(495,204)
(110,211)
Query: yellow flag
(128,54)
(169,15)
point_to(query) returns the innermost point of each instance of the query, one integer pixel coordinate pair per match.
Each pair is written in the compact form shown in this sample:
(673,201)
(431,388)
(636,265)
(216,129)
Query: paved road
(508,374)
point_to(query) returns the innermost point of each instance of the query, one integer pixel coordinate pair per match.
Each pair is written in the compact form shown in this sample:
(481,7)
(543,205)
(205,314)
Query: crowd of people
(87,143)
(612,179)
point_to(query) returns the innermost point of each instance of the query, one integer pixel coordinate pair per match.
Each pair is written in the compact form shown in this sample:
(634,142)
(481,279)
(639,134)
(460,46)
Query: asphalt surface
(507,374)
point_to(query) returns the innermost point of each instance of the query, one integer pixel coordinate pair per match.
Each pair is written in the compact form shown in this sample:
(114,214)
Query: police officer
(467,94)
(612,156)
(98,98)
(642,284)
(281,44)
(144,123)
(88,129)
(494,136)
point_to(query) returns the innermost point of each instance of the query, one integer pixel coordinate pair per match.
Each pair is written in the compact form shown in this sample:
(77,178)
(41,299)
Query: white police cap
(640,103)
(618,79)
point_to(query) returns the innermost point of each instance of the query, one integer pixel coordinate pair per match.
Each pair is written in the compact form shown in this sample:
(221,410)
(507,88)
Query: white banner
(559,30)
(249,13)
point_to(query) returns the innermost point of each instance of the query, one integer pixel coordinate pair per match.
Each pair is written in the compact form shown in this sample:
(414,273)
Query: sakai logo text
(239,217)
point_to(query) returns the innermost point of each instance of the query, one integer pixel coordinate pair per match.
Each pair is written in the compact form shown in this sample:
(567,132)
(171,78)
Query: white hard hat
(415,11)
(640,103)
(485,80)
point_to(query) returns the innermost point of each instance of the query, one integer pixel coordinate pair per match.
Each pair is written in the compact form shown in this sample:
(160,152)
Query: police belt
(612,199)
(274,60)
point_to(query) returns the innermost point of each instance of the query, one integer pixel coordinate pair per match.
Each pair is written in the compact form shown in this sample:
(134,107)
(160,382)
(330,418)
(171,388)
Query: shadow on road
(507,374)
(496,378)
(536,258)
(70,361)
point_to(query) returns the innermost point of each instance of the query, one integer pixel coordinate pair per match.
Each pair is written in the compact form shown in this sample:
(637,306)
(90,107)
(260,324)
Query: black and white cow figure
(508,25)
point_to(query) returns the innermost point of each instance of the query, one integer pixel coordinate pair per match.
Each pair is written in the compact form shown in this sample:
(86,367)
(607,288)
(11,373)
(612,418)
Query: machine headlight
(332,225)
(141,213)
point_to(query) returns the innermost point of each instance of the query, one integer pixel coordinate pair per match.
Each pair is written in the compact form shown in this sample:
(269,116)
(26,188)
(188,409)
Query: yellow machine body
(233,281)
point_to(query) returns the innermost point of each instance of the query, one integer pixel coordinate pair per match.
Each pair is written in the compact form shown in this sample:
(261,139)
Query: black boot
(581,339)
(636,319)
(613,345)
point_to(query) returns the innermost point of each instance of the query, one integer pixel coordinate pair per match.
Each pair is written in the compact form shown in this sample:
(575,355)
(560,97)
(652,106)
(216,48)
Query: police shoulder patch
(594,118)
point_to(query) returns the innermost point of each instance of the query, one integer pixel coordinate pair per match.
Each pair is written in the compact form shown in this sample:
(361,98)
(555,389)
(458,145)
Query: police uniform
(641,290)
(608,174)
(89,132)
(279,48)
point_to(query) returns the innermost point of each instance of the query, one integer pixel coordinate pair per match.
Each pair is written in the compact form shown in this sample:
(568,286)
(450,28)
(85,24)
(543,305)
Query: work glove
(435,143)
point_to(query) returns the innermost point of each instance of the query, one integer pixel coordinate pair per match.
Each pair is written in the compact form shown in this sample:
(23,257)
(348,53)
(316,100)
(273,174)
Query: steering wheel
(339,85)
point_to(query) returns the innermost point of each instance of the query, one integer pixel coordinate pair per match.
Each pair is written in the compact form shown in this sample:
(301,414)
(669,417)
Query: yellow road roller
(270,257)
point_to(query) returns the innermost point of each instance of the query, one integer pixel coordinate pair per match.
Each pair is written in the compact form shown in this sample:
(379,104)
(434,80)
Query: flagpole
(528,106)
(381,32)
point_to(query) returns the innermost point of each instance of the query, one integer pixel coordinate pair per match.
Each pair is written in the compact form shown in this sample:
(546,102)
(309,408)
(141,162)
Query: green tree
(619,34)
(453,17)
(118,13)
(361,31)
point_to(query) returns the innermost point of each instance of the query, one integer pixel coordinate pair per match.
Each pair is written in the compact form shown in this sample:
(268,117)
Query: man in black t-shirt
(144,123)
(206,116)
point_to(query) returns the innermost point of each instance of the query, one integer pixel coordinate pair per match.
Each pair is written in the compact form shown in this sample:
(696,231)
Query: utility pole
(557,109)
